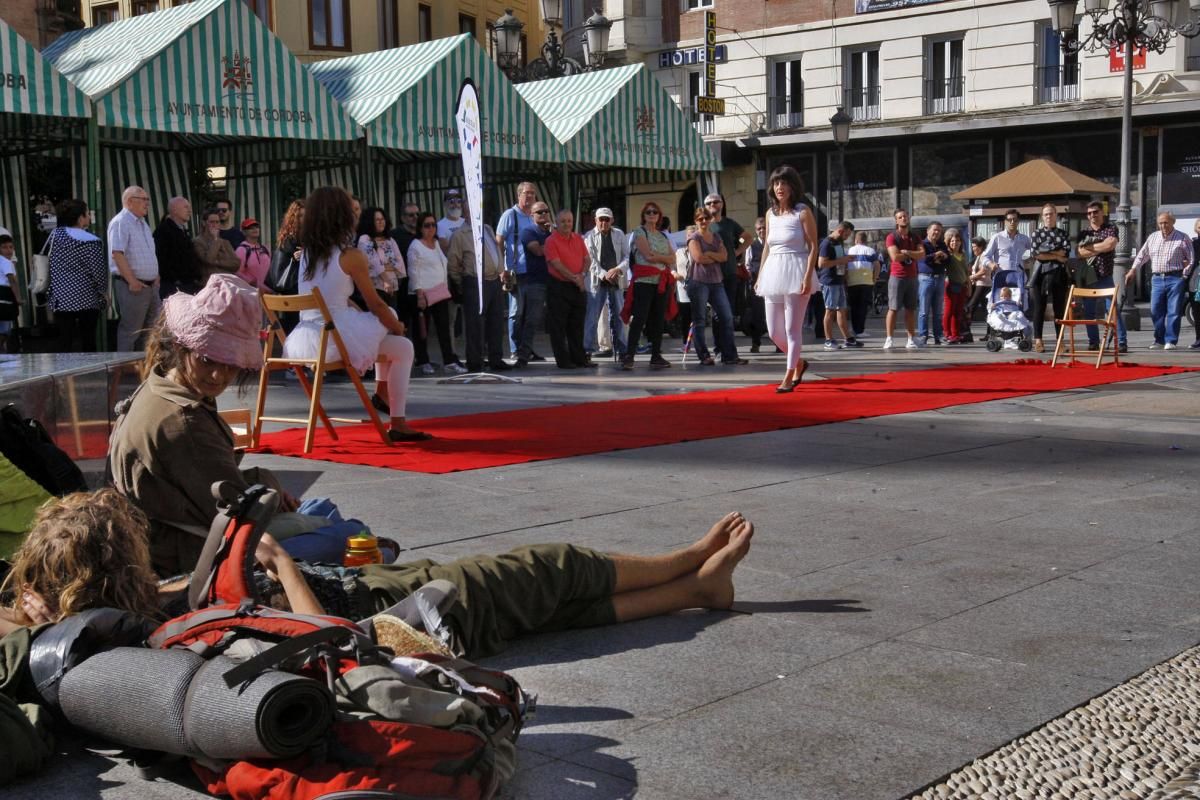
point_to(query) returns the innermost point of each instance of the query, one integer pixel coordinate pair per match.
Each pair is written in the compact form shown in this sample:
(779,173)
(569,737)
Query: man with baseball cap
(607,278)
(453,220)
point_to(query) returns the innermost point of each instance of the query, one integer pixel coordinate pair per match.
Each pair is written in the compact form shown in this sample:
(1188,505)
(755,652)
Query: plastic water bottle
(362,548)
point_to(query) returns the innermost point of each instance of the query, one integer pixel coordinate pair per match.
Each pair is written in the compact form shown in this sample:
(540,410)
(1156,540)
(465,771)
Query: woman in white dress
(332,263)
(789,266)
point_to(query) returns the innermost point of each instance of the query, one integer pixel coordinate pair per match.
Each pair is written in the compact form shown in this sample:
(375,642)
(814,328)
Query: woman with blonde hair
(789,266)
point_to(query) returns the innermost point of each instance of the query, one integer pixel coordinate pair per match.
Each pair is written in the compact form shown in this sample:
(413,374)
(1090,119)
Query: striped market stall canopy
(405,98)
(29,85)
(208,67)
(620,117)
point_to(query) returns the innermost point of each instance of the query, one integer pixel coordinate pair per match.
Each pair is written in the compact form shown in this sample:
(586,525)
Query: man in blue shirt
(513,223)
(931,284)
(533,282)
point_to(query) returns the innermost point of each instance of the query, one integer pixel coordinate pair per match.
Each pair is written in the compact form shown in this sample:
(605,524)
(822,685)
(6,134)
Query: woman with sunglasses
(651,293)
(428,283)
(705,286)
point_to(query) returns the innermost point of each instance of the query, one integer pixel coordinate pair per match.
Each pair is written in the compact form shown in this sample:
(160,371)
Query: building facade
(943,94)
(319,29)
(40,22)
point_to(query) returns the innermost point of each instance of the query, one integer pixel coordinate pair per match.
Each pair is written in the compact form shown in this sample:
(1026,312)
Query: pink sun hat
(221,322)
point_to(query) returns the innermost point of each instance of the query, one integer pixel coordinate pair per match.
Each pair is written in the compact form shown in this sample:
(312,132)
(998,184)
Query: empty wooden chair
(1066,331)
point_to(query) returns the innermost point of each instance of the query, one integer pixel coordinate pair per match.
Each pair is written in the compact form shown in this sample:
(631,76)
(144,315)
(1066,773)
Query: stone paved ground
(922,588)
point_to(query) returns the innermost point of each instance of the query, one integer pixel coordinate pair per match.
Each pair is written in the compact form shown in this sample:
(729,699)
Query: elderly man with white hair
(608,247)
(134,266)
(1170,255)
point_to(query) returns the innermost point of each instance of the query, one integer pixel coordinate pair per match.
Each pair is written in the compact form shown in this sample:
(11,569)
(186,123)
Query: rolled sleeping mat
(174,701)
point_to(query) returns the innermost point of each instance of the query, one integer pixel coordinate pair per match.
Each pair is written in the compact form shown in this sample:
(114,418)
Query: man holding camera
(905,250)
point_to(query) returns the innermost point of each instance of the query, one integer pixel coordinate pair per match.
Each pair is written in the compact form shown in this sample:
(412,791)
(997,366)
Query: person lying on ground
(91,550)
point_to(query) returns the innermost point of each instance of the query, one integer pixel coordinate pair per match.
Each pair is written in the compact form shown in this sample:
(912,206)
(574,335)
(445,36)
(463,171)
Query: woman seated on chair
(89,550)
(333,264)
(169,444)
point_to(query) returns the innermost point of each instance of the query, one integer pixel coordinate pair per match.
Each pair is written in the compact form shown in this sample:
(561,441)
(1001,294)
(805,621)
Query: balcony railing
(784,112)
(944,96)
(1192,63)
(704,123)
(862,103)
(1058,84)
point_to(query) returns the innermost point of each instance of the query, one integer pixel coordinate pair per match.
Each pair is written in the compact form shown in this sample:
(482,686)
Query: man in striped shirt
(1170,255)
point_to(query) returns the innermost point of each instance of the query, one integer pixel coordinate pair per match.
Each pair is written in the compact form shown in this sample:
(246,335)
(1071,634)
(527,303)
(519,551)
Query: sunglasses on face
(541,211)
(409,214)
(429,225)
(650,212)
(1011,219)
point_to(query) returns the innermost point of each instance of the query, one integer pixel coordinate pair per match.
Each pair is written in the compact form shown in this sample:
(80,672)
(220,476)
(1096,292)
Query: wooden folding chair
(273,305)
(1066,331)
(238,420)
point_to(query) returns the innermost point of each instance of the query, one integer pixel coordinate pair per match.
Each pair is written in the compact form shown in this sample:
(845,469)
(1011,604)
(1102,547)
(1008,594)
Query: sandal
(380,404)
(785,389)
(408,436)
(800,374)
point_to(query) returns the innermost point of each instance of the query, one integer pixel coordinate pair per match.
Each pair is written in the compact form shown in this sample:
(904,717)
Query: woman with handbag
(427,280)
(375,336)
(650,294)
(78,278)
(283,276)
(954,315)
(383,254)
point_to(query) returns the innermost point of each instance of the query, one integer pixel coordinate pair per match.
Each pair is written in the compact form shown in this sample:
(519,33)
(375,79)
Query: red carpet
(494,439)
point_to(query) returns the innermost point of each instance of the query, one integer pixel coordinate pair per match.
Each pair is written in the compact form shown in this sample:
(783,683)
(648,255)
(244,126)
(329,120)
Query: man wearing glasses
(736,240)
(134,266)
(230,231)
(512,225)
(1009,249)
(532,284)
(1097,243)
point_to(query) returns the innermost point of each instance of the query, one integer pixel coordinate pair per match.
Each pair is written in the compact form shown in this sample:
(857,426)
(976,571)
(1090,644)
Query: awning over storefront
(405,99)
(208,67)
(619,117)
(30,85)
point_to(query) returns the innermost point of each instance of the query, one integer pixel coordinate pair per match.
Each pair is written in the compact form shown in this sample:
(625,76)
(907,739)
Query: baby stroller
(879,292)
(1007,325)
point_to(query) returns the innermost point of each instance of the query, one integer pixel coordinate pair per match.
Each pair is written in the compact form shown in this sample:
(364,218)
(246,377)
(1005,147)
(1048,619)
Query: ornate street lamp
(840,123)
(1129,25)
(553,62)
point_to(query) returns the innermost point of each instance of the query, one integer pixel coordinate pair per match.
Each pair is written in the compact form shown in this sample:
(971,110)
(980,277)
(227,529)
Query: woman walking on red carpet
(789,263)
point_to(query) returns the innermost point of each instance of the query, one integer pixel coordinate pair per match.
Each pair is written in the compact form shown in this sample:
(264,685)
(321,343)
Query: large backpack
(423,726)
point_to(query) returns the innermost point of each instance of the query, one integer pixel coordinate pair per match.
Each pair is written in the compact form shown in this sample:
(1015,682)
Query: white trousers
(394,367)
(785,323)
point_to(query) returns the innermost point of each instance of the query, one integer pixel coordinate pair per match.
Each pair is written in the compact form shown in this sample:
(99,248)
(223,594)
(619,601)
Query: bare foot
(715,576)
(717,537)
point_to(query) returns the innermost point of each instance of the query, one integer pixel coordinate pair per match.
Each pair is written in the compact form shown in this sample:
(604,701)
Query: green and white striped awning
(405,98)
(619,117)
(208,67)
(30,85)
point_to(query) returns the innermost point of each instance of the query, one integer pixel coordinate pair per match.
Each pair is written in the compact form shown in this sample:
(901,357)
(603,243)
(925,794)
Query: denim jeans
(1089,309)
(533,313)
(615,298)
(701,295)
(931,295)
(1166,306)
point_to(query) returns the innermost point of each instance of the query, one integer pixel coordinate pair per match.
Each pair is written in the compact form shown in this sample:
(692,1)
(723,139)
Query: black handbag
(283,276)
(9,310)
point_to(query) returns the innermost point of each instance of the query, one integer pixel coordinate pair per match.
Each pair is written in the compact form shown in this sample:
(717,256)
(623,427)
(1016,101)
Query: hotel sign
(868,6)
(689,56)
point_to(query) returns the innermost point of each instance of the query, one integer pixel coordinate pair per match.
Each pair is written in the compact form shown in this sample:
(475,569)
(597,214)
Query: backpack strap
(225,568)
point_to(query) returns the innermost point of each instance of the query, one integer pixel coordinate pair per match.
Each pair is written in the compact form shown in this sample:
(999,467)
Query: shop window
(262,10)
(862,83)
(694,4)
(424,23)
(944,84)
(466,24)
(102,15)
(1191,54)
(329,24)
(140,7)
(939,170)
(786,102)
(389,26)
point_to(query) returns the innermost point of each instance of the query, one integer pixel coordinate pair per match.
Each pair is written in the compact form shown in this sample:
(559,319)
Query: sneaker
(454,368)
(603,354)
(754,348)
(938,342)
(1156,346)
(1123,348)
(1093,347)
(643,349)
(912,344)
(1170,346)
(428,369)
(887,343)
(658,362)
(830,345)
(852,342)
(1194,345)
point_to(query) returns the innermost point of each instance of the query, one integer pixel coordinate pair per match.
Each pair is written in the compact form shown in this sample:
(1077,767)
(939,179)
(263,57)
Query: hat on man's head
(453,194)
(250,222)
(220,322)
(603,213)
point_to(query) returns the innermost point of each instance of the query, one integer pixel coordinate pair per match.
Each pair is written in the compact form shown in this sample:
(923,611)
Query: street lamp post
(840,123)
(1128,26)
(553,62)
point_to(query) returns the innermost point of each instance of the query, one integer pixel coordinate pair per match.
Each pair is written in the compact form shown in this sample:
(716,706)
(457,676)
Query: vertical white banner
(470,144)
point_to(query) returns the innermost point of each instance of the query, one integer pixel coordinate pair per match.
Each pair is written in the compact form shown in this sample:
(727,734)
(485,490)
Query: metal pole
(1121,260)
(841,182)
(93,200)
(366,185)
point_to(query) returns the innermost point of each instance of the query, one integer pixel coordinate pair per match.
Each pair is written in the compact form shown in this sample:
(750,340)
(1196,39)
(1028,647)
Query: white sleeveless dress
(782,273)
(361,330)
